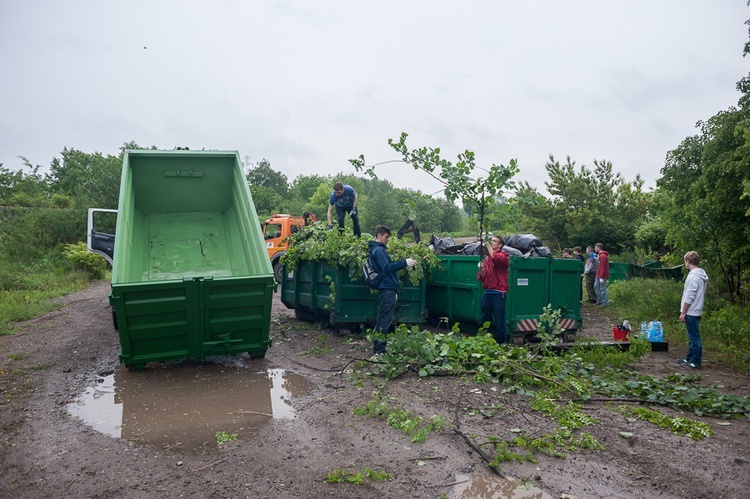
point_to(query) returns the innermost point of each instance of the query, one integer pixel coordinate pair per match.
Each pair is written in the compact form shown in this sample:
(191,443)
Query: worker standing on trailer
(493,274)
(344,198)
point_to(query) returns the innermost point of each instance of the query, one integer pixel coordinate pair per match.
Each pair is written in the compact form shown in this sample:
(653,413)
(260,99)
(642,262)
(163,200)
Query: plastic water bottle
(644,329)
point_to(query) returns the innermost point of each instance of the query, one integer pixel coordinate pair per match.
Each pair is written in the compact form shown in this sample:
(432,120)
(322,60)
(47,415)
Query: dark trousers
(695,353)
(341,214)
(493,311)
(387,300)
(590,278)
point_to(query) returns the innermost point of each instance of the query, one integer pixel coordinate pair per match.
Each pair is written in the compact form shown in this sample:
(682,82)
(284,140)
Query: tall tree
(92,179)
(705,179)
(263,175)
(586,205)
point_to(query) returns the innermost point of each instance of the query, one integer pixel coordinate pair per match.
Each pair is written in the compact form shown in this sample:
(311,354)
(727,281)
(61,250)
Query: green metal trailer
(454,293)
(320,291)
(190,273)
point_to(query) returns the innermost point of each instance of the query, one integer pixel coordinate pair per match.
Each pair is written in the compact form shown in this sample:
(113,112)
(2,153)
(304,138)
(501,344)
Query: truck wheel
(277,272)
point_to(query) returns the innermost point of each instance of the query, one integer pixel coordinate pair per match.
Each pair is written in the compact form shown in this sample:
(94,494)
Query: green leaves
(459,180)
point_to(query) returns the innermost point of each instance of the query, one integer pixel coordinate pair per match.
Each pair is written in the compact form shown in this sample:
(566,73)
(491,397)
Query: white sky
(311,84)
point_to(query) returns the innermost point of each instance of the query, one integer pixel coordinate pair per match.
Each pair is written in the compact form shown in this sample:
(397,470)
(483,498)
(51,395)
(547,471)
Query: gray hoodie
(694,291)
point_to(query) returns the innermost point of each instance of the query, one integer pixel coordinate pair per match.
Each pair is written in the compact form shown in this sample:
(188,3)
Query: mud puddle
(184,406)
(483,486)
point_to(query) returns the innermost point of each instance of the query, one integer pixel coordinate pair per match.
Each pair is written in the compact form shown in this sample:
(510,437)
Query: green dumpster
(190,273)
(324,292)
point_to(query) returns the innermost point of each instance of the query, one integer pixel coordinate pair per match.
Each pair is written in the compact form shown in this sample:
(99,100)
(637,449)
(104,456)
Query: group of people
(595,270)
(493,274)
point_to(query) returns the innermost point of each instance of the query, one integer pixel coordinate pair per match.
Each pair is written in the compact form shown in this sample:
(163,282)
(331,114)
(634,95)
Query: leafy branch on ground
(341,476)
(557,386)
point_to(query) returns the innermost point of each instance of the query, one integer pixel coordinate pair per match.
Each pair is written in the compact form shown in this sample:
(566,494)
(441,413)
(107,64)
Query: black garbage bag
(542,251)
(512,251)
(471,249)
(444,245)
(523,242)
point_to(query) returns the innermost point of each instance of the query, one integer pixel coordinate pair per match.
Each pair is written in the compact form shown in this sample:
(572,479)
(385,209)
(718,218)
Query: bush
(93,265)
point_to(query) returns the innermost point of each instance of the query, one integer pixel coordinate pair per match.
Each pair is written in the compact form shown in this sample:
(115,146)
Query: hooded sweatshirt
(602,272)
(694,291)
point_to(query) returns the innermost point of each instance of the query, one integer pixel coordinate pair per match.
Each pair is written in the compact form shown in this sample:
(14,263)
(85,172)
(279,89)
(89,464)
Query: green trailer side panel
(566,287)
(618,271)
(529,291)
(237,315)
(453,290)
(308,289)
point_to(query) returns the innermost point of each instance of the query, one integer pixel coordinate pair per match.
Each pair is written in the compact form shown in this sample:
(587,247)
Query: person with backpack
(493,274)
(388,285)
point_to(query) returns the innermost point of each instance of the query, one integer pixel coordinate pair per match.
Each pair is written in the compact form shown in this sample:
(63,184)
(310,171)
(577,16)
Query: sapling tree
(459,181)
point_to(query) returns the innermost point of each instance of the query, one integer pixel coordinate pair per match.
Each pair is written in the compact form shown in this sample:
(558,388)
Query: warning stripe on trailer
(527,325)
(533,325)
(567,323)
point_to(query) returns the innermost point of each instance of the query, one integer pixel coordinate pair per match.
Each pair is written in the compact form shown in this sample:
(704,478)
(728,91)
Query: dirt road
(45,452)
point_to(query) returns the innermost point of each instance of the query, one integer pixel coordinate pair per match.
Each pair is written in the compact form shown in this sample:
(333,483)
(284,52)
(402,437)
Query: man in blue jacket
(344,198)
(389,282)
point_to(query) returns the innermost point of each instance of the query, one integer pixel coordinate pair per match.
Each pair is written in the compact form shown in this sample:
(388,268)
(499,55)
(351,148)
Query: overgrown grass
(725,328)
(33,292)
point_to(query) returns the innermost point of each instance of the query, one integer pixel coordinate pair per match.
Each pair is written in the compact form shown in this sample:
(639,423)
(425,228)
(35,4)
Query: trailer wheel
(304,315)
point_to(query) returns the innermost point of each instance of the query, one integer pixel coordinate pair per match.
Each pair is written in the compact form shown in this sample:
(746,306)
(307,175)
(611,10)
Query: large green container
(190,273)
(309,290)
(533,283)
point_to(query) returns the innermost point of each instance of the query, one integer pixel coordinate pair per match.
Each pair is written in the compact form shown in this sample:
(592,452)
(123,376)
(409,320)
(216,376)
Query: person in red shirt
(602,274)
(493,274)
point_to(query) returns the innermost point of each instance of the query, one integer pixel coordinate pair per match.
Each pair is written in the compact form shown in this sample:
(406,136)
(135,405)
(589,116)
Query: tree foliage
(705,179)
(587,205)
(459,183)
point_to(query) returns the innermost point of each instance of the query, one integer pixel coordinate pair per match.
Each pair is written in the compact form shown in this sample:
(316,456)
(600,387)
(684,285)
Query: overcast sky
(311,84)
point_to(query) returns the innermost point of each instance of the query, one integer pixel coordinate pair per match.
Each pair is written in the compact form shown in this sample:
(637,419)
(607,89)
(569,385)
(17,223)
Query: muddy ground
(47,453)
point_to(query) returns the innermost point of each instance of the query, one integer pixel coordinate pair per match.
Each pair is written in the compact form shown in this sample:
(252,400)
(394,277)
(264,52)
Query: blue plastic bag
(655,332)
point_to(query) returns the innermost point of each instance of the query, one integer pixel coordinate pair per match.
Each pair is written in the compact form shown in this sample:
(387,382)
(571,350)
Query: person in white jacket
(691,309)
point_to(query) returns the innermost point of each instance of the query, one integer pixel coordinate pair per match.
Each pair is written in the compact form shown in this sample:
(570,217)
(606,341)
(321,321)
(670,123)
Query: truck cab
(275,230)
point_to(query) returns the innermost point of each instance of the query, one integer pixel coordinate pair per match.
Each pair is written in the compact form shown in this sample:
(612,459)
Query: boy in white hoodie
(692,308)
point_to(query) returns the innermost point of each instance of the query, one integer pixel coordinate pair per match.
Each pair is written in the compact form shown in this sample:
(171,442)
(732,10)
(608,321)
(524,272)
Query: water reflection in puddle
(185,405)
(481,486)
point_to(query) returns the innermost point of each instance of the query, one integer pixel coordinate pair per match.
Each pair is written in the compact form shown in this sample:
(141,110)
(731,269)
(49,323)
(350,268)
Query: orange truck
(275,231)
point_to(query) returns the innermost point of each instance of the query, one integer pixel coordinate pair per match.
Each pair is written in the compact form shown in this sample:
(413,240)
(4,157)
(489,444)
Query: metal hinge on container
(180,173)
